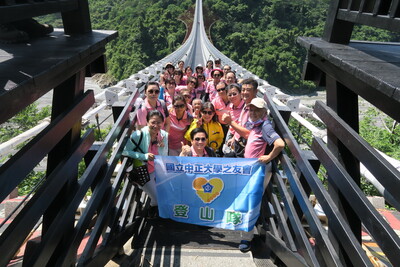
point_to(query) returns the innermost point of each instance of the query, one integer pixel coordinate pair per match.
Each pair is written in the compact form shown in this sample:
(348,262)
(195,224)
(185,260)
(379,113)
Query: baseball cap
(259,103)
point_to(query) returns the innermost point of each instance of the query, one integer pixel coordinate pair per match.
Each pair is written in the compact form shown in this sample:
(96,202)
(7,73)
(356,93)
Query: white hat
(259,103)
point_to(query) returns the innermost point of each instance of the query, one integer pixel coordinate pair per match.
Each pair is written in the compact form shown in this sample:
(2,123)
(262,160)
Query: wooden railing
(112,208)
(343,14)
(75,13)
(286,228)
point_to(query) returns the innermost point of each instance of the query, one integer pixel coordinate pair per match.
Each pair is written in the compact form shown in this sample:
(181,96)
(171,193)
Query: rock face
(104,80)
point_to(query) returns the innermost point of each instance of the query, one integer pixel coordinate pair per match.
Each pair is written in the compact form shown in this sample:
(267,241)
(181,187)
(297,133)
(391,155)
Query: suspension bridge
(111,228)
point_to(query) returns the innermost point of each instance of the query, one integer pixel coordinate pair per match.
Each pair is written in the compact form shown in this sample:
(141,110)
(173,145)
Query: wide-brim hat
(259,103)
(169,64)
(212,72)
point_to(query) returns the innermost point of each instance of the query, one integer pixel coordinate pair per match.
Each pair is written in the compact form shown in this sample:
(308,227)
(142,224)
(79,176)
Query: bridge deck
(163,242)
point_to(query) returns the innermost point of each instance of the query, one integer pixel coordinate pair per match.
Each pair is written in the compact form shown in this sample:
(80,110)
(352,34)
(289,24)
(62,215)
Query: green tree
(23,121)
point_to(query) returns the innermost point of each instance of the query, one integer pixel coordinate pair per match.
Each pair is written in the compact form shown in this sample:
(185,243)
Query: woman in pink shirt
(208,69)
(216,74)
(188,73)
(168,73)
(151,102)
(178,77)
(201,87)
(191,85)
(235,106)
(180,121)
(169,94)
(199,70)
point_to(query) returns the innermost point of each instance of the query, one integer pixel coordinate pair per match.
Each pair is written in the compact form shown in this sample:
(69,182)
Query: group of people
(207,113)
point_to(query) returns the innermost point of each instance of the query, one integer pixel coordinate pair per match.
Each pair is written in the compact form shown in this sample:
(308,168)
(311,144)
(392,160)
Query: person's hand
(226,117)
(151,156)
(185,150)
(264,159)
(199,122)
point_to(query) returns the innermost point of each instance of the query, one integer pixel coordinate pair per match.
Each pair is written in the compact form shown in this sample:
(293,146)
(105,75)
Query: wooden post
(345,103)
(336,31)
(77,21)
(64,95)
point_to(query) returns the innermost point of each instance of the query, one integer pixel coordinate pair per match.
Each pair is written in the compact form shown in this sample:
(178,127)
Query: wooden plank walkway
(163,242)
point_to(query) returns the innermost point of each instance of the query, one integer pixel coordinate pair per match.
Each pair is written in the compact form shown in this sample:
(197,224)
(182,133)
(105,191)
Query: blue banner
(216,192)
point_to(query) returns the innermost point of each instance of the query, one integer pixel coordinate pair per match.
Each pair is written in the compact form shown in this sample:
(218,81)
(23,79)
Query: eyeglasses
(203,139)
(233,94)
(179,106)
(220,90)
(186,96)
(153,92)
(207,112)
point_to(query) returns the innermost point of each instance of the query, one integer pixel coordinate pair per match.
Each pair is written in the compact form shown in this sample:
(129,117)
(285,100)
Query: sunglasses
(220,90)
(217,75)
(203,139)
(233,94)
(207,112)
(179,106)
(153,92)
(186,96)
(192,82)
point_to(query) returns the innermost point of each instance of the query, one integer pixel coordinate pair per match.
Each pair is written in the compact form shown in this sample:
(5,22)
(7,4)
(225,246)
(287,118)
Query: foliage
(32,180)
(259,35)
(268,47)
(381,132)
(148,31)
(23,121)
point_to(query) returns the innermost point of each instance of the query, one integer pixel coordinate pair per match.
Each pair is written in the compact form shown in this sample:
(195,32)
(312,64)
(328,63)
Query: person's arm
(279,144)
(242,131)
(130,146)
(167,124)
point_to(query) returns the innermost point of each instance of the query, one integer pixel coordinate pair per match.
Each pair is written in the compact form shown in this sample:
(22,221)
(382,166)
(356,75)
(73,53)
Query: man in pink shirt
(249,91)
(261,133)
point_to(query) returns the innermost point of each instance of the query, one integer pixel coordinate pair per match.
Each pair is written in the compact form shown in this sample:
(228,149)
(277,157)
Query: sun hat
(169,64)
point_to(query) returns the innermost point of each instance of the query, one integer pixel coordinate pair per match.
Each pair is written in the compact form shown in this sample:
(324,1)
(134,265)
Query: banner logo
(208,190)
